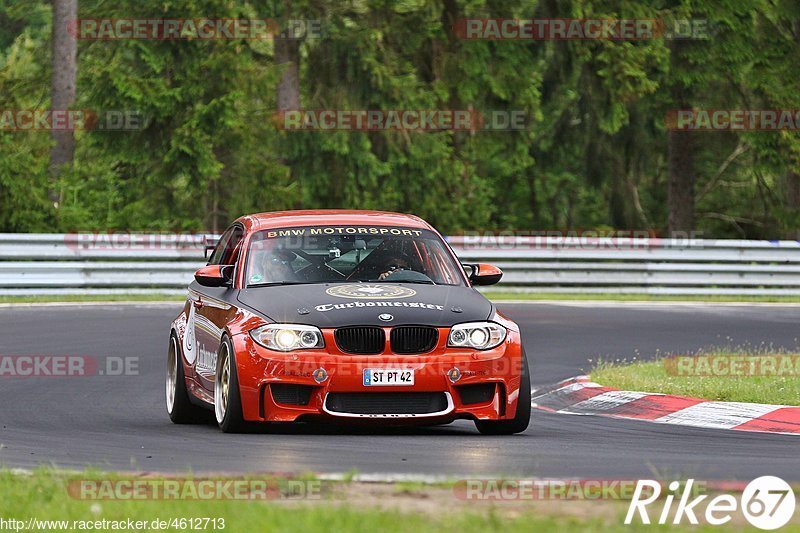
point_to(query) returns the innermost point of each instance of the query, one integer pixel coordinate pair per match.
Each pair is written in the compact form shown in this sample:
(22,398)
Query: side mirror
(483,274)
(214,275)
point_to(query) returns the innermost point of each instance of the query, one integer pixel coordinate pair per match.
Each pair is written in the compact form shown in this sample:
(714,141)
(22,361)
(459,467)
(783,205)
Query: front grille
(386,403)
(479,393)
(291,394)
(413,339)
(360,340)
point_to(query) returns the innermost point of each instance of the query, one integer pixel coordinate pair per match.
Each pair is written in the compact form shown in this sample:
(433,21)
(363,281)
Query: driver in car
(274,266)
(394,265)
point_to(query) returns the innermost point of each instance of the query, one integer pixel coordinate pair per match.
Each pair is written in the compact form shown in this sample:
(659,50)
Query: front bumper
(495,373)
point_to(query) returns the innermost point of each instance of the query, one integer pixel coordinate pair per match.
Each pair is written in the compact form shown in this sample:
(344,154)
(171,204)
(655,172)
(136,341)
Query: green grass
(44,496)
(154,297)
(660,376)
(616,297)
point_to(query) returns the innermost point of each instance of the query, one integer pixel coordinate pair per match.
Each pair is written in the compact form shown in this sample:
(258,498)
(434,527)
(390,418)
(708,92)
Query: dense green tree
(595,152)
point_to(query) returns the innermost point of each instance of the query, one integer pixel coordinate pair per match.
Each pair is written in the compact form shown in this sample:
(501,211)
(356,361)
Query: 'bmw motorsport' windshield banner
(344,230)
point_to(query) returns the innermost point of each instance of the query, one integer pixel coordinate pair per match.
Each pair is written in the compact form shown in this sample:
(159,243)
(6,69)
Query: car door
(211,307)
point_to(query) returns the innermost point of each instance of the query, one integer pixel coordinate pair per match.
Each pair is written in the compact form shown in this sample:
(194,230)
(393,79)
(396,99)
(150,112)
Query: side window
(227,246)
(216,255)
(232,249)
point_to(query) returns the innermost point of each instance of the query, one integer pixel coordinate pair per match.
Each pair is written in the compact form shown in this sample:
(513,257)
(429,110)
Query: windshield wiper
(277,283)
(418,281)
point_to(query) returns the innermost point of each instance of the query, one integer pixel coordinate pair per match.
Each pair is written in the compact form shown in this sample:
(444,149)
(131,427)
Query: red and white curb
(581,396)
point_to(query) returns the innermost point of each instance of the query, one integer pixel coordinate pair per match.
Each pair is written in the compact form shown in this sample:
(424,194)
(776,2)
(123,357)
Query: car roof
(326,217)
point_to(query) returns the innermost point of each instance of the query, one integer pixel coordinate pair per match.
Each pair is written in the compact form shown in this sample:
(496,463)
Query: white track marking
(719,415)
(706,414)
(604,402)
(566,389)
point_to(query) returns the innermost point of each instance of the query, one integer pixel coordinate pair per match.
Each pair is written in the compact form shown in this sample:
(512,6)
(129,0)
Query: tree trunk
(793,202)
(65,51)
(287,55)
(533,199)
(680,156)
(680,146)
(793,179)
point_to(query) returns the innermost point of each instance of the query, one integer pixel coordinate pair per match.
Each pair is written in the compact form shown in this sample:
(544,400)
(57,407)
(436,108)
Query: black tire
(228,412)
(522,418)
(180,408)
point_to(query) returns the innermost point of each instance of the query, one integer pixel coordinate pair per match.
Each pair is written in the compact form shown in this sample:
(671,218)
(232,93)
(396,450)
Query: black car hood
(337,304)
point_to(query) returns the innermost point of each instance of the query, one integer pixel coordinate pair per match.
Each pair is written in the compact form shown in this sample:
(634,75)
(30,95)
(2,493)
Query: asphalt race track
(120,422)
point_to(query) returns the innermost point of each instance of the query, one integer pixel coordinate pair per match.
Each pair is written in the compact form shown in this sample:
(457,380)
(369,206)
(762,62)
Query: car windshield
(327,254)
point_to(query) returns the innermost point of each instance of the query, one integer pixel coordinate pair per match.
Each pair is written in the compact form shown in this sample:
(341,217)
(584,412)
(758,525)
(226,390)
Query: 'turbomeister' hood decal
(333,305)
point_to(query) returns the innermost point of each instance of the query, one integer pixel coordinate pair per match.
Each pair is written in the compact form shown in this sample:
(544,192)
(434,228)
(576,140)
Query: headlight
(478,335)
(288,337)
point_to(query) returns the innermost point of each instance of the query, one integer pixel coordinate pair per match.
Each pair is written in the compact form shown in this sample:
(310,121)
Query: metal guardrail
(71,264)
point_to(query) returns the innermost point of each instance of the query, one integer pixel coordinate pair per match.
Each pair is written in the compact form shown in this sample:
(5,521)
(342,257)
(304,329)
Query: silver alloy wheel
(172,374)
(222,384)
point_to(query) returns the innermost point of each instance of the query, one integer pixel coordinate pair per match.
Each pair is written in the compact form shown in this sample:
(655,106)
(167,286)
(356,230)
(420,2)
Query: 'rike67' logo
(767,503)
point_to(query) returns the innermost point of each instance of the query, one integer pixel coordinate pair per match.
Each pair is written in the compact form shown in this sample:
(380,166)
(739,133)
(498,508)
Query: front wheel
(522,418)
(227,398)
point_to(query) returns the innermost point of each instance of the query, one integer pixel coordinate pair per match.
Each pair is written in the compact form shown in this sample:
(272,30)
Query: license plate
(375,377)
